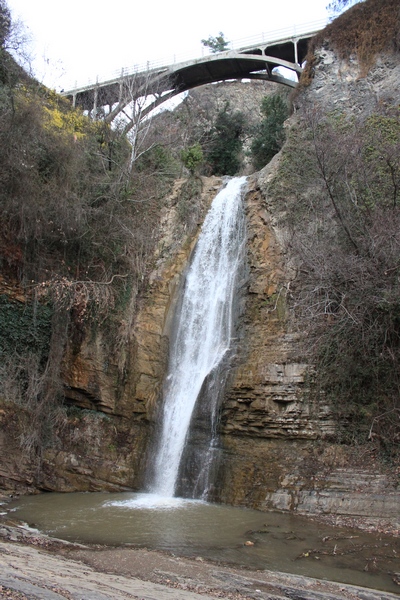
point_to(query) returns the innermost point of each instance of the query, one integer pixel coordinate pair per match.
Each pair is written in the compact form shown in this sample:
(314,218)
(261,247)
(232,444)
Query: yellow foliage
(71,122)
(58,114)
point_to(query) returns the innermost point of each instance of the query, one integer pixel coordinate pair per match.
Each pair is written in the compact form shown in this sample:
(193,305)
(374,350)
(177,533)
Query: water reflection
(192,527)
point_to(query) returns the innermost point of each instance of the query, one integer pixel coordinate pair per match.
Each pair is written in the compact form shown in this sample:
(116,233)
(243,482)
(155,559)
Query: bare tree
(14,38)
(346,236)
(140,94)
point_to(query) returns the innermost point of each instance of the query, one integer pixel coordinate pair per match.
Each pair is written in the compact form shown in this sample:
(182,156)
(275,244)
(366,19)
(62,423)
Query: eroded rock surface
(276,448)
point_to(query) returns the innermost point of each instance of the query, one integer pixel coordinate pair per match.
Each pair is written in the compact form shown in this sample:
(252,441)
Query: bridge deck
(258,60)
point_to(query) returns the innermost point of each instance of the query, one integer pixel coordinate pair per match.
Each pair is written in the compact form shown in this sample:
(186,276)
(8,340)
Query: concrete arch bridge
(258,59)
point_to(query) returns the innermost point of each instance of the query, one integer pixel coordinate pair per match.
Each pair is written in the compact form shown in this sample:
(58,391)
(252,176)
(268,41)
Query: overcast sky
(75,41)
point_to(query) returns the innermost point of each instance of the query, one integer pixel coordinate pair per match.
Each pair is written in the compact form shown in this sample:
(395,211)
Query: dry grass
(366,30)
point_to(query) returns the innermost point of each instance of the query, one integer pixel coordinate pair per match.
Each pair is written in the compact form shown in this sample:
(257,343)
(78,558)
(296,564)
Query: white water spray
(204,326)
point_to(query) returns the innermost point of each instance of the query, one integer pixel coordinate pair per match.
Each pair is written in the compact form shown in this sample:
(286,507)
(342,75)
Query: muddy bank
(33,566)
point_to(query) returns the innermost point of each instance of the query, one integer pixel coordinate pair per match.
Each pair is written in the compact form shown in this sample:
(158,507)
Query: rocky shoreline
(34,566)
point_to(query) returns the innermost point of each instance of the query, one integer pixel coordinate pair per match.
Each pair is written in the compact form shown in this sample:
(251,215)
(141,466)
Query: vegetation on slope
(339,179)
(78,228)
(340,185)
(235,140)
(351,299)
(364,31)
(80,221)
(269,137)
(225,142)
(79,224)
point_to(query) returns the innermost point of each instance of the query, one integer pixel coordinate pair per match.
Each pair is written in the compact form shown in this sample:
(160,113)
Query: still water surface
(194,528)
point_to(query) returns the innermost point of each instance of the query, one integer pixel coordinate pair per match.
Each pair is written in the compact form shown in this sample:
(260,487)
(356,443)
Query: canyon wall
(276,443)
(277,438)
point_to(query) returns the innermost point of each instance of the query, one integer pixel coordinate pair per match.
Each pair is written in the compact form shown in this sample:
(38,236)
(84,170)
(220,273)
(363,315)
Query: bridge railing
(265,37)
(279,34)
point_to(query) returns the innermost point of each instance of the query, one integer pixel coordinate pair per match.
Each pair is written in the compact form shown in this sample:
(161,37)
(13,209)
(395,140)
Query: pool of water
(238,536)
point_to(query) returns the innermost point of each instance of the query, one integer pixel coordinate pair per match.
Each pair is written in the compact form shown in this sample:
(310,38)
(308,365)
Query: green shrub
(225,142)
(270,135)
(24,329)
(192,158)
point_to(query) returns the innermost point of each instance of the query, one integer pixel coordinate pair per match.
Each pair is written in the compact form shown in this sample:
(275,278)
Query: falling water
(203,330)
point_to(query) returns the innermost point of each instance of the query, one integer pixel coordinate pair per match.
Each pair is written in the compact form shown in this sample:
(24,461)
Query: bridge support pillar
(95,99)
(296,52)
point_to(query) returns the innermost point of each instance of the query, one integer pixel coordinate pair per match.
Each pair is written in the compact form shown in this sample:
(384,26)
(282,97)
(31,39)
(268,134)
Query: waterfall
(203,330)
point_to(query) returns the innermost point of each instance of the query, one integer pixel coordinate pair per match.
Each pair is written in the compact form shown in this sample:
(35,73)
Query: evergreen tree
(216,44)
(5,23)
(226,142)
(270,135)
(192,158)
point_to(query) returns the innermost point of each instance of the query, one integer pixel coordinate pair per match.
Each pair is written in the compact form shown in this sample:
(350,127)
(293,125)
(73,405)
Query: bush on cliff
(269,135)
(364,31)
(225,143)
(78,228)
(345,235)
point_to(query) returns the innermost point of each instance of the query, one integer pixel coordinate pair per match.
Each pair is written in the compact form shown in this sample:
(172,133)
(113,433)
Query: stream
(225,534)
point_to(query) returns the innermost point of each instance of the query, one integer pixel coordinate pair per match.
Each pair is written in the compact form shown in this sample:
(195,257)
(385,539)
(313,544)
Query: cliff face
(111,393)
(275,440)
(276,436)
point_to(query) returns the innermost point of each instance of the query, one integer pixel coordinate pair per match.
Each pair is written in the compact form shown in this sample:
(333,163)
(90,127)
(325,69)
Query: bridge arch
(256,61)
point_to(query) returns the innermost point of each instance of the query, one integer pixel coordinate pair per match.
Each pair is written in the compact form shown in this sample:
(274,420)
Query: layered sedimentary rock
(268,395)
(275,443)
